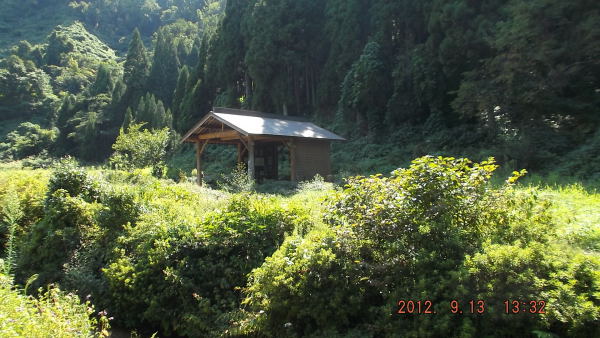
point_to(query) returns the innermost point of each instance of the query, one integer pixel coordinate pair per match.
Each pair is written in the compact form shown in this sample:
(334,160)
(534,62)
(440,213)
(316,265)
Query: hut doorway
(271,161)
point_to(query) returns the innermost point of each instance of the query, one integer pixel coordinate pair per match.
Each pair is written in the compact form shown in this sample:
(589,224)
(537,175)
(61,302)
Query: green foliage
(528,84)
(162,79)
(583,161)
(486,71)
(152,111)
(191,261)
(273,44)
(148,16)
(40,18)
(72,57)
(434,231)
(103,82)
(74,180)
(185,274)
(316,184)
(237,181)
(135,70)
(512,79)
(68,41)
(121,207)
(179,121)
(24,89)
(12,214)
(137,148)
(57,236)
(86,129)
(364,91)
(54,313)
(29,189)
(28,139)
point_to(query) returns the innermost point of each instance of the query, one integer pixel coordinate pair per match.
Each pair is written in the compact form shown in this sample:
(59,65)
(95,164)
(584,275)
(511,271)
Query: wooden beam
(219,141)
(268,138)
(244,143)
(220,134)
(230,138)
(250,157)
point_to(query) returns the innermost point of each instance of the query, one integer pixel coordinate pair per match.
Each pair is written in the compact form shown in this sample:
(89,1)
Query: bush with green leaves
(12,214)
(69,221)
(74,180)
(53,314)
(237,181)
(27,140)
(140,148)
(435,231)
(22,195)
(184,274)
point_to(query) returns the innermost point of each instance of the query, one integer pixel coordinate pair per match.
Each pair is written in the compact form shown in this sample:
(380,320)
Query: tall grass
(53,314)
(12,213)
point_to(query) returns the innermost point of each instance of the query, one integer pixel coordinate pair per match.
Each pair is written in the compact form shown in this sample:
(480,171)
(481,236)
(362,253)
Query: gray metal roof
(256,123)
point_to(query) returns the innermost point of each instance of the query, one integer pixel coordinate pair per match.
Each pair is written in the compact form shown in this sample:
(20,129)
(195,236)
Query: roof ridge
(235,111)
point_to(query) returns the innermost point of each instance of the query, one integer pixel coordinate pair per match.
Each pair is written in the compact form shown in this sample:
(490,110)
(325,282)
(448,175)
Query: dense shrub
(74,180)
(29,188)
(566,280)
(191,261)
(583,162)
(184,275)
(237,181)
(53,240)
(28,139)
(69,220)
(137,148)
(120,208)
(54,314)
(435,231)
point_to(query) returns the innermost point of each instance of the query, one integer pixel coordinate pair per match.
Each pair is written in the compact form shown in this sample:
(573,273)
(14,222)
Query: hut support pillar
(251,158)
(199,150)
(291,145)
(239,153)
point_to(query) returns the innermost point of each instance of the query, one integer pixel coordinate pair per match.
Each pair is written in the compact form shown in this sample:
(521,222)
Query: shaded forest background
(518,80)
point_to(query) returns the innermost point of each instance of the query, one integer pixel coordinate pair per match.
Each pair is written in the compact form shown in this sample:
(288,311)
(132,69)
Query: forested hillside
(514,79)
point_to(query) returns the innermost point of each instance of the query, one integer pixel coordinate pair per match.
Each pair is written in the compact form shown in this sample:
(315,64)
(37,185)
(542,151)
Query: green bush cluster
(186,276)
(74,180)
(53,314)
(237,181)
(190,261)
(435,231)
(28,139)
(137,148)
(26,189)
(155,254)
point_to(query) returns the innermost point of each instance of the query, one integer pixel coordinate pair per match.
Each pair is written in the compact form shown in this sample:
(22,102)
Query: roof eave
(204,119)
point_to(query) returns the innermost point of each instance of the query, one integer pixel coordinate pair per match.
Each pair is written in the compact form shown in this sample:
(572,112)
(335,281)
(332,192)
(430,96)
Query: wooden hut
(258,137)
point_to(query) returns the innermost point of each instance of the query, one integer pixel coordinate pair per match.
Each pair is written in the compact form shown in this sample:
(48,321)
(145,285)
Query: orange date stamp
(473,306)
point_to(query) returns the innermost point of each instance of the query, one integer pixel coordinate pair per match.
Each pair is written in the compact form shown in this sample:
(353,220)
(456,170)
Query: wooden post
(199,150)
(250,157)
(198,163)
(292,148)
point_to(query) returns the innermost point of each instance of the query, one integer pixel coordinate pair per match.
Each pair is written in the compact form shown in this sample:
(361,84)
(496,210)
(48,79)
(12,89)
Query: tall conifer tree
(135,70)
(163,76)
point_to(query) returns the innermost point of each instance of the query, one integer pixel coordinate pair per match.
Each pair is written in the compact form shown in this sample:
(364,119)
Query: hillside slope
(31,20)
